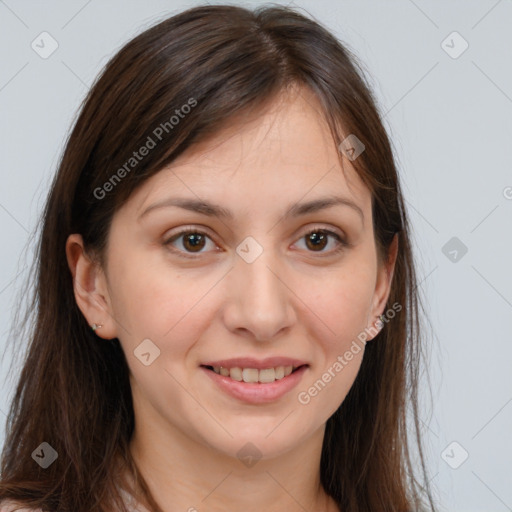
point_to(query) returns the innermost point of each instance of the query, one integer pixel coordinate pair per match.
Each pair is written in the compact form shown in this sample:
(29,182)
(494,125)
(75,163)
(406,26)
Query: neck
(192,476)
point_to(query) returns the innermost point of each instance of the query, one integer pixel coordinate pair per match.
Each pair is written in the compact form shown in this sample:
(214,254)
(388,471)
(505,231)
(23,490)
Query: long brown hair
(74,392)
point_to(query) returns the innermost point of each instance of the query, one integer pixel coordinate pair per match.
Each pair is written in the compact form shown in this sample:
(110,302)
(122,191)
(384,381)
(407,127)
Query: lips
(256,392)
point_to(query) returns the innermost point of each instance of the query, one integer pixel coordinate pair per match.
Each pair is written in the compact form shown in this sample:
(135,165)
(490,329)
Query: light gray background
(450,120)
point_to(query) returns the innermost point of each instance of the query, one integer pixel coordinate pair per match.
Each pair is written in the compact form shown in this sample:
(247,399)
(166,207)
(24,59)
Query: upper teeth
(255,375)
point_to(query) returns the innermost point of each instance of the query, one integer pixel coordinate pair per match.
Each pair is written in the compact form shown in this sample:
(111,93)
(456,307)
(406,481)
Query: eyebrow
(214,210)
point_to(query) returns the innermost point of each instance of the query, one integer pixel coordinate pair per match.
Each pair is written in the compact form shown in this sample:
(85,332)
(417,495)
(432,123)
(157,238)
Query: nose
(260,300)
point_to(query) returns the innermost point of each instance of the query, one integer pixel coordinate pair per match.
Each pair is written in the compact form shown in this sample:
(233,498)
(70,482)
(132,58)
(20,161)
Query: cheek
(343,306)
(145,300)
(329,385)
(155,302)
(341,302)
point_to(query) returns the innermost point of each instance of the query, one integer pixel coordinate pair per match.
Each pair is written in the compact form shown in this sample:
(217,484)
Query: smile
(244,383)
(253,374)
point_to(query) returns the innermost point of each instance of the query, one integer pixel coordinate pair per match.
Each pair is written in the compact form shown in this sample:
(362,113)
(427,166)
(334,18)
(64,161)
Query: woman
(227,308)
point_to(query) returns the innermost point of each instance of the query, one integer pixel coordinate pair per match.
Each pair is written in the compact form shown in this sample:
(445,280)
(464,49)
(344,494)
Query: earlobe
(90,289)
(393,253)
(388,269)
(383,287)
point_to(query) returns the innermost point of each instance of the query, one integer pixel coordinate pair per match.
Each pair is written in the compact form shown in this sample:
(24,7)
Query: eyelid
(182,232)
(202,230)
(330,229)
(341,237)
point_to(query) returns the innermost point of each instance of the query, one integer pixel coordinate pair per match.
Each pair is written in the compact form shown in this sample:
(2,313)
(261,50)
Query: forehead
(283,151)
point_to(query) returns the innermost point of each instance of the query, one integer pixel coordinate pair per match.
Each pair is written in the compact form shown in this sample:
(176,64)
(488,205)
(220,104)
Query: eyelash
(342,243)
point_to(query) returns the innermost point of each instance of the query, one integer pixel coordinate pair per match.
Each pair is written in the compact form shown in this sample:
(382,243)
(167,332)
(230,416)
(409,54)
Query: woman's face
(251,283)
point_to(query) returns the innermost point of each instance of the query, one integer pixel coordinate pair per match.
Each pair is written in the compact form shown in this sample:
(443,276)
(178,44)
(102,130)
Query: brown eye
(318,239)
(193,242)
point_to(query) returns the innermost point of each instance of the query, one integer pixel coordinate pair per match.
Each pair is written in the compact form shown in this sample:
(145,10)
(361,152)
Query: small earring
(95,326)
(380,322)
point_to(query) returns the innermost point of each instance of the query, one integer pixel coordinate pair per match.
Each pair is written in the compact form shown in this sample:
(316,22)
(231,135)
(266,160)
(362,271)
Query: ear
(383,286)
(90,287)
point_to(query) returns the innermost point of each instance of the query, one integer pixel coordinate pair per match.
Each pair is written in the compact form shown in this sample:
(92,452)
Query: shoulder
(15,506)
